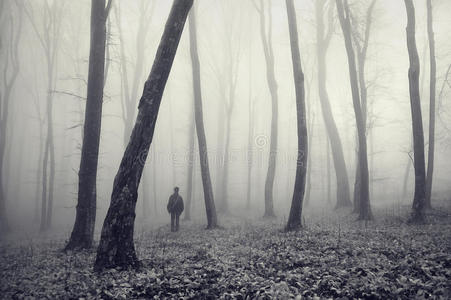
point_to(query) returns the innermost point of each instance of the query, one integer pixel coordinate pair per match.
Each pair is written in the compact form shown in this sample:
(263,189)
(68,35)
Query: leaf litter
(245,261)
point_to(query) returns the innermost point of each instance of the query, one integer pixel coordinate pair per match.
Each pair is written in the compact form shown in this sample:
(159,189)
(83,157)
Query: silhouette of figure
(175,208)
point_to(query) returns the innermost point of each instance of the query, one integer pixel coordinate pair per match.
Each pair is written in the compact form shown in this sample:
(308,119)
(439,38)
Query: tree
(116,248)
(212,221)
(83,232)
(295,218)
(417,120)
(272,85)
(189,191)
(10,70)
(129,97)
(250,133)
(49,37)
(323,38)
(432,87)
(361,43)
(344,16)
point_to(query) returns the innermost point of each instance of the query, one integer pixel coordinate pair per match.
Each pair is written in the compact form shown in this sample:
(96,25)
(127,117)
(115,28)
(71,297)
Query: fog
(230,49)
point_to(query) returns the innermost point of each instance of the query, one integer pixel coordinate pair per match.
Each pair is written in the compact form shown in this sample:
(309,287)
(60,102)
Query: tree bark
(323,41)
(344,17)
(212,221)
(295,218)
(83,232)
(272,85)
(417,120)
(432,87)
(116,248)
(361,50)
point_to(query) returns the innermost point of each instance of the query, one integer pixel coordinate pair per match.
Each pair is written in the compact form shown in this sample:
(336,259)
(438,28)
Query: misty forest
(225,149)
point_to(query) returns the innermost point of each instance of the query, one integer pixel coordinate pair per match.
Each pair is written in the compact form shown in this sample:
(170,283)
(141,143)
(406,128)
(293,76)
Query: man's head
(176,189)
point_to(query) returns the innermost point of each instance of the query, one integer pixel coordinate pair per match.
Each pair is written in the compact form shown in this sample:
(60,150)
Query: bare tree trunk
(83,232)
(224,207)
(272,85)
(323,41)
(189,191)
(212,221)
(38,172)
(361,50)
(220,156)
(345,21)
(250,134)
(12,58)
(406,178)
(116,248)
(432,87)
(417,120)
(44,187)
(328,173)
(295,218)
(310,130)
(49,38)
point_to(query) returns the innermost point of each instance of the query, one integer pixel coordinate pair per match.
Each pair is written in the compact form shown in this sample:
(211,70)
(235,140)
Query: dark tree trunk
(272,85)
(212,221)
(83,232)
(432,86)
(116,248)
(365,208)
(417,120)
(361,50)
(323,41)
(295,218)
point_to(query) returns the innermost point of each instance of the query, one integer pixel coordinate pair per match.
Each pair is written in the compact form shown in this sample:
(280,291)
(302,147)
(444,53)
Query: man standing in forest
(175,208)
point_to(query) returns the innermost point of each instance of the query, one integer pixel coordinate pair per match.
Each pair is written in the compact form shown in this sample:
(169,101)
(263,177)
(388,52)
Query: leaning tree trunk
(323,41)
(295,218)
(212,221)
(364,207)
(417,120)
(83,232)
(116,248)
(432,85)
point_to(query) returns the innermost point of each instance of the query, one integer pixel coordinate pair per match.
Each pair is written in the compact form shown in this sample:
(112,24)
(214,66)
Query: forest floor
(337,258)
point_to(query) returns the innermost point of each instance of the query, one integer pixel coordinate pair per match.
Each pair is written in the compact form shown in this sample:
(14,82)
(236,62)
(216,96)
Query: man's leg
(177,222)
(172,222)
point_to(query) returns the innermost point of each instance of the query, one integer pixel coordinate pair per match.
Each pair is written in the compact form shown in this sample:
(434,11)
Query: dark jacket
(175,204)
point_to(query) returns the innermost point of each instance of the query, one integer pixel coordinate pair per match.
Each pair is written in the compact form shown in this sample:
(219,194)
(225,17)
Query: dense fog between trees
(49,40)
(225,149)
